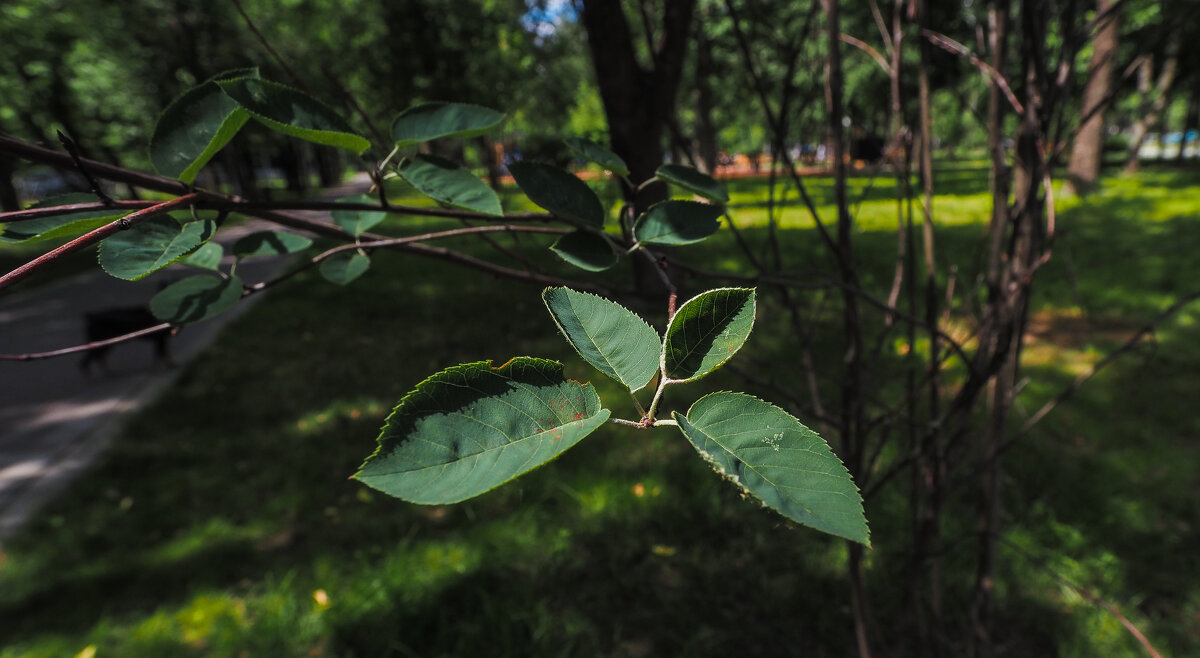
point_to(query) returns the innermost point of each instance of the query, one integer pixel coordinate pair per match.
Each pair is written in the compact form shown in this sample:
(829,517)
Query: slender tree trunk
(1154,99)
(1189,124)
(1087,152)
(852,386)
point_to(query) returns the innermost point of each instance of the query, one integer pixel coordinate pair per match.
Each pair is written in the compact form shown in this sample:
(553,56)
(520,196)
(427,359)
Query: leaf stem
(663,382)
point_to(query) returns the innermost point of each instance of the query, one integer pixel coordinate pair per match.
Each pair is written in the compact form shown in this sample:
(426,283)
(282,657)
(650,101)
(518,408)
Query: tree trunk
(851,421)
(1189,124)
(1153,100)
(705,130)
(638,102)
(8,192)
(1087,152)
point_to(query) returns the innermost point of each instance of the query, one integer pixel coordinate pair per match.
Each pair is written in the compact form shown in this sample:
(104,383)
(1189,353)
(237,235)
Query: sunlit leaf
(428,121)
(207,257)
(592,151)
(773,457)
(706,331)
(270,243)
(607,335)
(693,180)
(559,192)
(293,112)
(357,222)
(677,222)
(473,427)
(196,298)
(58,226)
(151,245)
(196,126)
(585,250)
(344,267)
(445,182)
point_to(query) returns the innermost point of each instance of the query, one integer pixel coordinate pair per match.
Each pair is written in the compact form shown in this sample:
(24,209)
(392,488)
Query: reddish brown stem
(95,236)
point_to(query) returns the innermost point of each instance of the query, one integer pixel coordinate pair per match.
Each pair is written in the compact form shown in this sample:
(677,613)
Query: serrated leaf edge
(735,480)
(563,331)
(662,357)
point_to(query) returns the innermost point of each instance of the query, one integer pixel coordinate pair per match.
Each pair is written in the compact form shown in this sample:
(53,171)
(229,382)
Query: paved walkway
(54,419)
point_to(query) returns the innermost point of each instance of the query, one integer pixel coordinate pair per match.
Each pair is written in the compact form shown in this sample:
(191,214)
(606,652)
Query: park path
(54,418)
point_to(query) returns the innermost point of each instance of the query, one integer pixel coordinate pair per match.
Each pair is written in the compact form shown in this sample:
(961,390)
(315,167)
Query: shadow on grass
(234,486)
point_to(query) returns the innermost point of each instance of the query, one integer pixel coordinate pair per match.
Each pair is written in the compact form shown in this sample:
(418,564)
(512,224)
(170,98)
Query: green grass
(222,521)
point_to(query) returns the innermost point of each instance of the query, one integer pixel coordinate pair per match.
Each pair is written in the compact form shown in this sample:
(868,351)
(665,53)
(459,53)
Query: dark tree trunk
(706,130)
(8,192)
(1087,152)
(638,102)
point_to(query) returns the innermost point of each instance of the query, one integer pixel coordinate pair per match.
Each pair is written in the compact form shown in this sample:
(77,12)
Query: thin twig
(946,43)
(73,151)
(35,356)
(1086,594)
(868,49)
(69,208)
(267,44)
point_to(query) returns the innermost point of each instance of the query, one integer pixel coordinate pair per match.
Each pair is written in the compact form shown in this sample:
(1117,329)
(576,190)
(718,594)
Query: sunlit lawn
(222,521)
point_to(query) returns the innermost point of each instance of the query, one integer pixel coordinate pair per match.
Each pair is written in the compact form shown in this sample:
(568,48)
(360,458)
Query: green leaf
(585,250)
(49,228)
(357,222)
(207,257)
(592,151)
(270,243)
(152,245)
(196,126)
(344,267)
(293,112)
(559,192)
(445,182)
(472,427)
(607,335)
(677,222)
(422,123)
(706,331)
(772,456)
(693,181)
(196,298)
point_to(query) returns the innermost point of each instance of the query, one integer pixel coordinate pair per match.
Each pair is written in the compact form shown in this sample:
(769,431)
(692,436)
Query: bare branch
(95,236)
(868,49)
(946,43)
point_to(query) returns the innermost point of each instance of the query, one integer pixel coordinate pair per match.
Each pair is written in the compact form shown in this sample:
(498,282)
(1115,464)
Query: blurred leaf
(293,112)
(445,182)
(473,427)
(270,243)
(428,121)
(706,331)
(607,335)
(585,250)
(773,457)
(49,228)
(592,151)
(196,126)
(559,192)
(196,298)
(677,222)
(151,245)
(344,267)
(694,181)
(357,222)
(207,257)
